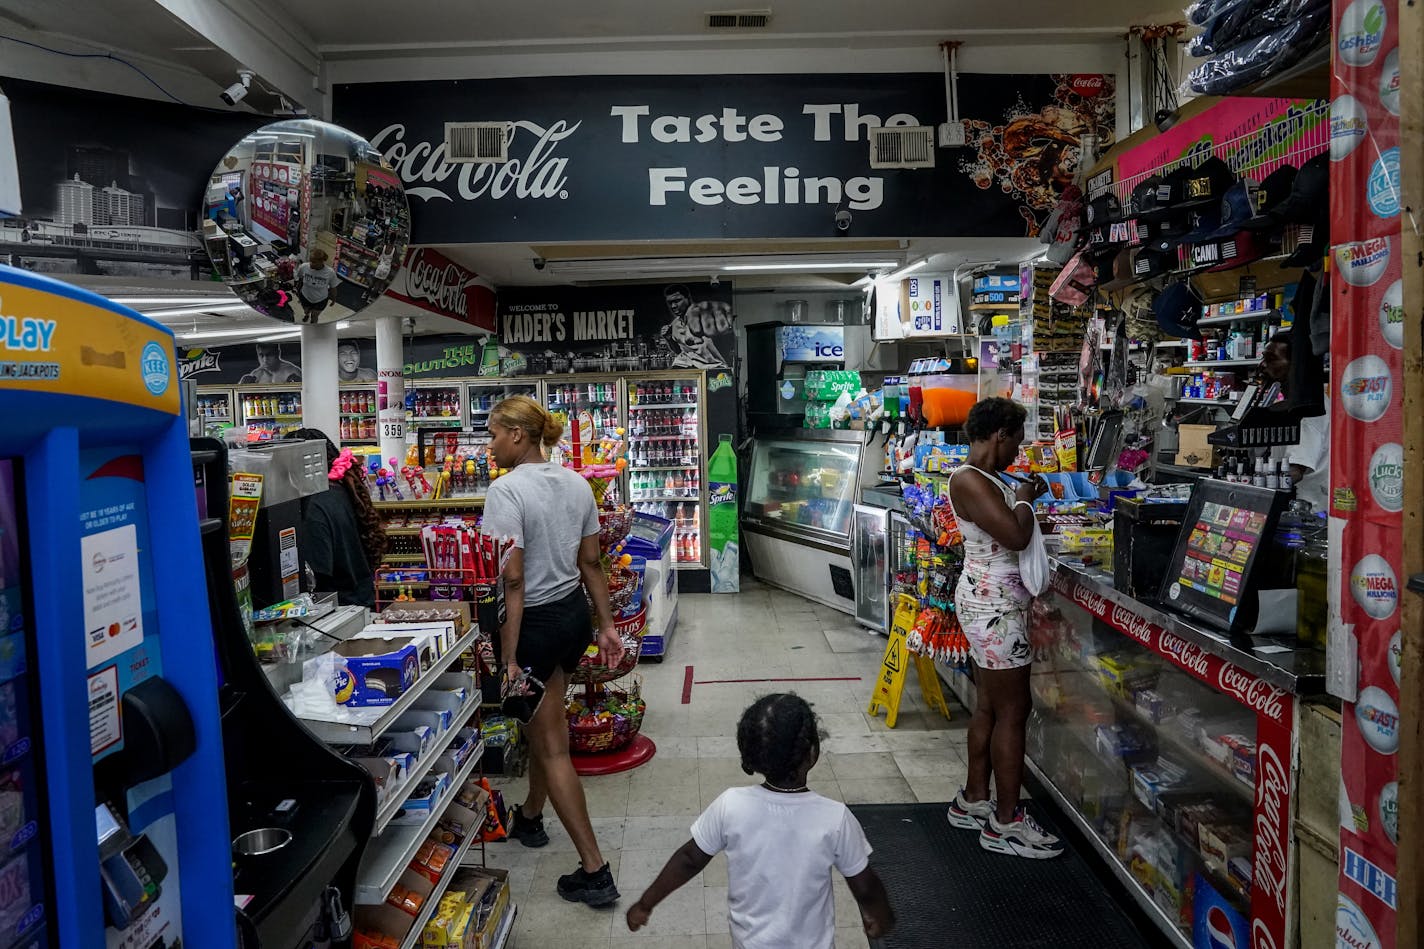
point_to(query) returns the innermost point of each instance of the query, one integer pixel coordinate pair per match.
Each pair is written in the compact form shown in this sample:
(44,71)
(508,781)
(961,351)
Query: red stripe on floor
(687,686)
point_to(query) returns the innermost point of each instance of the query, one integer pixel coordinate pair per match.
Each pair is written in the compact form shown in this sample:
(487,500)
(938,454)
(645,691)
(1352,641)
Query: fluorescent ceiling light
(160,315)
(344,324)
(899,274)
(276,336)
(219,334)
(822,265)
(213,299)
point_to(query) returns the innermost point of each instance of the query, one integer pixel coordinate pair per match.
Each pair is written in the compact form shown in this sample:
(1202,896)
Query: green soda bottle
(722,518)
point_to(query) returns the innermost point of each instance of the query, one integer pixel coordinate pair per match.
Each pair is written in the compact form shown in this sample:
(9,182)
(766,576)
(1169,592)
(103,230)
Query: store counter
(1171,747)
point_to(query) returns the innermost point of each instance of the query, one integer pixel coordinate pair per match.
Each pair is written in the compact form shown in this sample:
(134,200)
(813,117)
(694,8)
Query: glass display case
(804,484)
(484,395)
(667,456)
(358,415)
(1159,766)
(871,559)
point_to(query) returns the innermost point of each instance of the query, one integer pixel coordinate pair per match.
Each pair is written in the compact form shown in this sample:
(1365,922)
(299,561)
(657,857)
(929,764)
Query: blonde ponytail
(522,412)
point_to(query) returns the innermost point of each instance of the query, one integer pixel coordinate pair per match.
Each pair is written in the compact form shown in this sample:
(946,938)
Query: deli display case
(802,489)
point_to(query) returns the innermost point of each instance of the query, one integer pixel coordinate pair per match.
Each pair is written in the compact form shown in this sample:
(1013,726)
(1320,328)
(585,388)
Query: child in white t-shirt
(782,841)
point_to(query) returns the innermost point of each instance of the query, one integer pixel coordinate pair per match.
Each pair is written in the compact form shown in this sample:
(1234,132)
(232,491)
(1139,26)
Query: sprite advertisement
(722,518)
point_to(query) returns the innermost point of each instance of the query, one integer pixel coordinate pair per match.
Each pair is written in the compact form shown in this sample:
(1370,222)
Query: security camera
(540,263)
(842,221)
(236,92)
(714,280)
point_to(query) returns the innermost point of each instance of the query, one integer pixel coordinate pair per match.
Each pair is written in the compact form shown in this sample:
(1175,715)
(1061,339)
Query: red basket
(631,632)
(613,525)
(611,733)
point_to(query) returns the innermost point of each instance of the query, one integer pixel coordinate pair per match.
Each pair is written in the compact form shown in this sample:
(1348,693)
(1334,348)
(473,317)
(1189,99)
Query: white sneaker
(1021,837)
(969,815)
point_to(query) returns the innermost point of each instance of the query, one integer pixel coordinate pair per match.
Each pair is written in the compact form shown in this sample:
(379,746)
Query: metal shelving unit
(1256,316)
(387,811)
(344,733)
(432,902)
(388,855)
(1222,363)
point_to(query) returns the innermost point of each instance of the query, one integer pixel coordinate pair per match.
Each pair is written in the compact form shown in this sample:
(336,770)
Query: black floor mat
(948,893)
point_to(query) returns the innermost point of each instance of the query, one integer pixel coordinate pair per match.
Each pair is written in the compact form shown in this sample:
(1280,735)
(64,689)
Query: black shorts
(555,635)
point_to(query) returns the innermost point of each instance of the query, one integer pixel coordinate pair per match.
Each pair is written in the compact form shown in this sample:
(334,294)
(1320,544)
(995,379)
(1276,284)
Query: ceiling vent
(902,147)
(739,20)
(477,143)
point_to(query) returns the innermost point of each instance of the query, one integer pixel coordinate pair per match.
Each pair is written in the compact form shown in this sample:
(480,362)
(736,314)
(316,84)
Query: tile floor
(642,816)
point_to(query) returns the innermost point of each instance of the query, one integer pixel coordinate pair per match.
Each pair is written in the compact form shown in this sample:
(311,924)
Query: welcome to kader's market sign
(611,157)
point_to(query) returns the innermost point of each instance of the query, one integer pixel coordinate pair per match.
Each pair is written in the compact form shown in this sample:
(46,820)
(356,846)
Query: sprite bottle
(722,518)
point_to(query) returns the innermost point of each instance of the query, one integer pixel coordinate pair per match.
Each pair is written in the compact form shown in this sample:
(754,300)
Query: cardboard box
(1193,451)
(377,671)
(405,610)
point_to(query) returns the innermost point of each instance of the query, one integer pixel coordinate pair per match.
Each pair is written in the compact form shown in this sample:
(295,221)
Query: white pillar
(321,407)
(390,396)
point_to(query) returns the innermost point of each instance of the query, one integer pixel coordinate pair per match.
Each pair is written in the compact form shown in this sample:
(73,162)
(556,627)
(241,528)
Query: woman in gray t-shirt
(550,514)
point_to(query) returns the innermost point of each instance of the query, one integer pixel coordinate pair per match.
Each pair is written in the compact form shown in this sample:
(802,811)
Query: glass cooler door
(1160,766)
(804,486)
(870,559)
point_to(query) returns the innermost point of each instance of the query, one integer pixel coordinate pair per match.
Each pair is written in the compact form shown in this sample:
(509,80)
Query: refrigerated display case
(667,456)
(801,494)
(215,408)
(358,415)
(870,558)
(270,411)
(482,396)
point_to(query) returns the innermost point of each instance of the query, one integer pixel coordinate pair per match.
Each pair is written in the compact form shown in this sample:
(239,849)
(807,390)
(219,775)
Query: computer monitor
(1213,574)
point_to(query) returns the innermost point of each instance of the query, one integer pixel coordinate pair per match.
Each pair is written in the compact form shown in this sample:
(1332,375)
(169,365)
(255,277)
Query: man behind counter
(1310,457)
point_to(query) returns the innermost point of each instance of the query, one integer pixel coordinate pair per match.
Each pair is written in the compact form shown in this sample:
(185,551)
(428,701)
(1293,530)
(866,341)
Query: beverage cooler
(483,395)
(269,412)
(797,522)
(667,456)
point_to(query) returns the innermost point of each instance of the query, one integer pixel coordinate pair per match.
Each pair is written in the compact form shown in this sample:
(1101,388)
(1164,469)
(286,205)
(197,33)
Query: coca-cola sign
(434,282)
(658,157)
(1133,624)
(1272,795)
(1189,655)
(1262,697)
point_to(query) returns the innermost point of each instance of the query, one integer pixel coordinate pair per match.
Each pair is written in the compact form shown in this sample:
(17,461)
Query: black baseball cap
(1237,207)
(1206,183)
(1143,200)
(1312,241)
(1148,263)
(1309,190)
(1274,191)
(1196,225)
(1117,274)
(1159,205)
(1177,310)
(1104,209)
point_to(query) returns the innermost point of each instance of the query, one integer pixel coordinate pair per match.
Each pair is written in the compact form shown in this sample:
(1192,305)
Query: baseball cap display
(1144,202)
(1228,253)
(1201,224)
(1309,191)
(1307,243)
(1207,183)
(1116,273)
(1104,209)
(1274,190)
(1177,309)
(1147,263)
(1237,207)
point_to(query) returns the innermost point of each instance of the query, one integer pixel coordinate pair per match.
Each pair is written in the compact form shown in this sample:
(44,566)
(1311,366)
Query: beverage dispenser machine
(779,355)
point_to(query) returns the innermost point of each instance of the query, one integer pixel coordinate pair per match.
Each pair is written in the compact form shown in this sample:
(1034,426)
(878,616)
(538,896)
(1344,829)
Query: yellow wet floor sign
(891,683)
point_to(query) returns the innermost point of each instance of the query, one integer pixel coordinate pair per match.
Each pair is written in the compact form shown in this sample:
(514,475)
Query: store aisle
(643,816)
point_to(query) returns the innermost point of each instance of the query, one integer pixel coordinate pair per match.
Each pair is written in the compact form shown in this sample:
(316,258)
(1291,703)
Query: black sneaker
(529,831)
(596,889)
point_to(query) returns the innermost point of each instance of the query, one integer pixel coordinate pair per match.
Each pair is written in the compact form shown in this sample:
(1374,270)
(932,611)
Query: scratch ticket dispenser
(113,829)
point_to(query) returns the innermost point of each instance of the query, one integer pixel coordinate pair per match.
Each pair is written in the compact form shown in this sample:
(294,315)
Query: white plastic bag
(1033,563)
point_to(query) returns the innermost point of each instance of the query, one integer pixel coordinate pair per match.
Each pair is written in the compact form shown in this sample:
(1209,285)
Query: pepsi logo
(1377,716)
(1220,934)
(1374,586)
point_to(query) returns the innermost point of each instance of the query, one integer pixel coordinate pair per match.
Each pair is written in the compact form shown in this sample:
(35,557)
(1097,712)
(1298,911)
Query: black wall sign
(273,363)
(667,157)
(112,184)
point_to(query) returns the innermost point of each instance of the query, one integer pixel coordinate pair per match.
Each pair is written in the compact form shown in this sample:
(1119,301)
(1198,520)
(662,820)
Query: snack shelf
(432,902)
(388,855)
(1108,857)
(427,504)
(344,733)
(387,811)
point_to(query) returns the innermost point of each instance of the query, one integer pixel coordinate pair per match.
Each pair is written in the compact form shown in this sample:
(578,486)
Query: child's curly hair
(777,735)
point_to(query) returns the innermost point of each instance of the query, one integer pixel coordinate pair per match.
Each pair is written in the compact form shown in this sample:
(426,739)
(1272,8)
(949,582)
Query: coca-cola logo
(426,173)
(1263,698)
(1272,792)
(1189,655)
(1092,602)
(1261,937)
(1132,624)
(1087,86)
(441,282)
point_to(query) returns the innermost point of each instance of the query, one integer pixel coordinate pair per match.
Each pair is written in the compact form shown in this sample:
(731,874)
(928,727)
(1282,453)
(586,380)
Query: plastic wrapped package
(1247,21)
(1262,57)
(1204,11)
